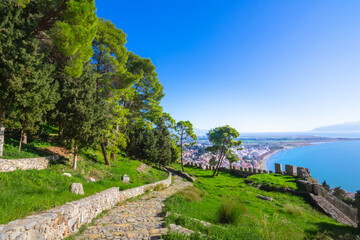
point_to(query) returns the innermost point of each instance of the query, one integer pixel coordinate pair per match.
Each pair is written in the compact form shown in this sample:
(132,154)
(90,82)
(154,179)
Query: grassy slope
(27,151)
(286,217)
(23,193)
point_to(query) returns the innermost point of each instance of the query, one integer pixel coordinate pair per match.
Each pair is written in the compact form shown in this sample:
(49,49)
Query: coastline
(267,155)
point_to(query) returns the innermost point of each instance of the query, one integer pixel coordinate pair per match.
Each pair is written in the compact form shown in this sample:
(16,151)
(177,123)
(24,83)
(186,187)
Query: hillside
(23,193)
(343,127)
(235,211)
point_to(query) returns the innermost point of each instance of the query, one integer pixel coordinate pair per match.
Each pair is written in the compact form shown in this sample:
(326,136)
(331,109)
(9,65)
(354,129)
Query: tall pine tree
(27,88)
(86,121)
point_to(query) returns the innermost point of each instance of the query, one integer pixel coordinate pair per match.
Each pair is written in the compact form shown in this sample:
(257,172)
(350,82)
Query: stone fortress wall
(315,191)
(65,220)
(40,163)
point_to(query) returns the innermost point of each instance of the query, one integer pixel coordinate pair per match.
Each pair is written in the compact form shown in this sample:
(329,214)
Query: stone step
(332,211)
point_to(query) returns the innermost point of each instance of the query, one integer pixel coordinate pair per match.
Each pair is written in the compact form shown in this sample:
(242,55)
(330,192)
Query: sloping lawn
(23,193)
(229,197)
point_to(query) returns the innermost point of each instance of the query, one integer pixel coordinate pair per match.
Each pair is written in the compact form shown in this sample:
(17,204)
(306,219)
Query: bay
(336,162)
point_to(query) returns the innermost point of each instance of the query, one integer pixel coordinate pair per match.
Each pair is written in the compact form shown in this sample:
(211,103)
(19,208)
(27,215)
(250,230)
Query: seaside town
(250,156)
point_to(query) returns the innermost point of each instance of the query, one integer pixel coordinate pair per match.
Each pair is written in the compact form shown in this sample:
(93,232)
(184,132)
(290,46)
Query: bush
(159,187)
(192,194)
(231,212)
(293,210)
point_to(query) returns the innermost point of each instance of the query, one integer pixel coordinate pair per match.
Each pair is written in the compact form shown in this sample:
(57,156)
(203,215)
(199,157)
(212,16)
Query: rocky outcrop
(9,165)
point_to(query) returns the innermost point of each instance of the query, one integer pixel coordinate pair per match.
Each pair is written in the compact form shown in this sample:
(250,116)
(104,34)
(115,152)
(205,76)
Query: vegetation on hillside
(23,193)
(235,212)
(62,66)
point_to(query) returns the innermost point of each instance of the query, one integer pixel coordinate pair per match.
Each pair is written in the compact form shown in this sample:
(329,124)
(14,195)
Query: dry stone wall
(9,165)
(62,221)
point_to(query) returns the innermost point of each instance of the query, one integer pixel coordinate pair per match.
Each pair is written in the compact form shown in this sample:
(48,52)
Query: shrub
(191,194)
(159,187)
(293,210)
(231,212)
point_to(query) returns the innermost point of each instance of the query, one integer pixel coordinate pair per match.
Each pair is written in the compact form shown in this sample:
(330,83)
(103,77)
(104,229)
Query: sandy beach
(267,155)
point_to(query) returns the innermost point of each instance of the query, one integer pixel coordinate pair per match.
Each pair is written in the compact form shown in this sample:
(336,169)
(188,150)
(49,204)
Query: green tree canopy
(86,119)
(27,88)
(223,138)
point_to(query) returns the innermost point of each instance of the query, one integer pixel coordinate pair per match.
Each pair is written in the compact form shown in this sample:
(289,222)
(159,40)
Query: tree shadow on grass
(335,231)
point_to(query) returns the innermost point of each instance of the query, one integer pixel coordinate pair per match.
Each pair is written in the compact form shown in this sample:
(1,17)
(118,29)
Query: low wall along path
(40,163)
(140,219)
(65,220)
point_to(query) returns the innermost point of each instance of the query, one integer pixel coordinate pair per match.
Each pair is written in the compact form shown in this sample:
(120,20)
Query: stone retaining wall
(180,173)
(9,165)
(62,221)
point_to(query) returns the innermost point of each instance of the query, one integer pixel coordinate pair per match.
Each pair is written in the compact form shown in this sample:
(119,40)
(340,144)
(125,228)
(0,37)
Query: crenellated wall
(62,221)
(307,182)
(9,165)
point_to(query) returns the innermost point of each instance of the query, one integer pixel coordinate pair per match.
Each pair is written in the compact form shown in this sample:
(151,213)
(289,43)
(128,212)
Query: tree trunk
(103,149)
(75,155)
(60,129)
(21,139)
(112,156)
(181,158)
(24,139)
(219,161)
(2,138)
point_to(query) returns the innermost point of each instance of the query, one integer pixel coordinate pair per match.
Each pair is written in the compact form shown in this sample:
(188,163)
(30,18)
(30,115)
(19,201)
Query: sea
(338,163)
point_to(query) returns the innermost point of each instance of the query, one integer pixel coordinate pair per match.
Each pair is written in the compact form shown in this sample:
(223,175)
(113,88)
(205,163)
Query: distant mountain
(343,127)
(200,132)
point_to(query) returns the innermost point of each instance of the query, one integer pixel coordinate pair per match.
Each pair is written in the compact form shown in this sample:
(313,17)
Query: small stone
(77,188)
(132,234)
(125,179)
(66,174)
(264,198)
(95,236)
(92,179)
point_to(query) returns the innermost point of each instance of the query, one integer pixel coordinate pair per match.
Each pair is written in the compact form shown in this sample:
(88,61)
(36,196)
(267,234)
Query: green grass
(23,193)
(286,217)
(11,149)
(275,180)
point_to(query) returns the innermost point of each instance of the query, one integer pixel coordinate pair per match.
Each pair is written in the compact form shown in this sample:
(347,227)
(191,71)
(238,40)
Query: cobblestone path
(139,219)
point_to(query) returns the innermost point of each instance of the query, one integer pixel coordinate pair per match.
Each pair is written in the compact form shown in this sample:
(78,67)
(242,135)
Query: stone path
(139,219)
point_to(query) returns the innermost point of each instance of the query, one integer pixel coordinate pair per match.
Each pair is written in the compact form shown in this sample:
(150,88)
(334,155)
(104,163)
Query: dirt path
(139,219)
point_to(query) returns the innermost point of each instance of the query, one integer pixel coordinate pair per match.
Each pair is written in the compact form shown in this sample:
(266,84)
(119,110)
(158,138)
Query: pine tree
(164,144)
(86,120)
(27,88)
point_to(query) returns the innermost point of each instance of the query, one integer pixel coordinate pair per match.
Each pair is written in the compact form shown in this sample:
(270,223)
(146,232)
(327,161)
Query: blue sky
(259,66)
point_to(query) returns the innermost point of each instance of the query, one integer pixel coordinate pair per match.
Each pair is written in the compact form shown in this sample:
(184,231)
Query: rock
(125,179)
(77,188)
(264,198)
(92,179)
(303,173)
(66,174)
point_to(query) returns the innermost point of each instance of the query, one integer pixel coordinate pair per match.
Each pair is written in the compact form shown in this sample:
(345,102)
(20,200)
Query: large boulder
(77,188)
(125,179)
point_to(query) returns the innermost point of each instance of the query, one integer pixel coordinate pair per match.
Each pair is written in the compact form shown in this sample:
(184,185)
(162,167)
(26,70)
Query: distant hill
(343,127)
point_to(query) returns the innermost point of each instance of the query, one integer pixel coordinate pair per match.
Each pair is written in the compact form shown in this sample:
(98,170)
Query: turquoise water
(337,162)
